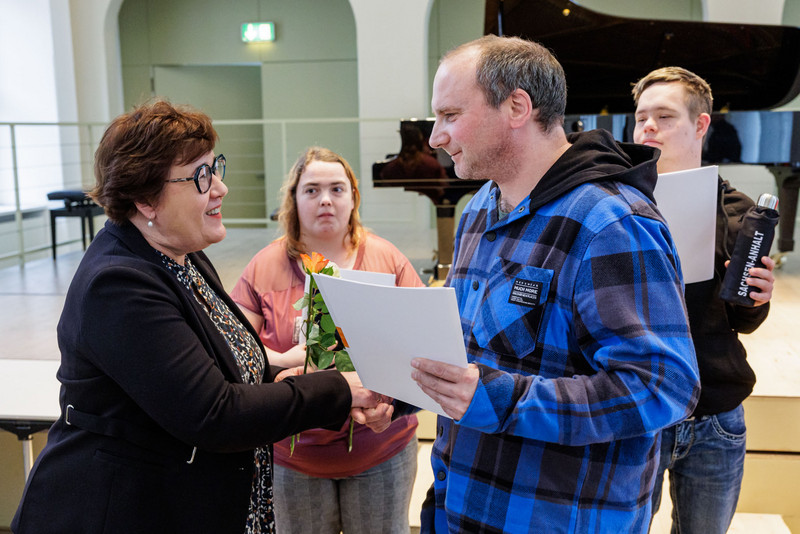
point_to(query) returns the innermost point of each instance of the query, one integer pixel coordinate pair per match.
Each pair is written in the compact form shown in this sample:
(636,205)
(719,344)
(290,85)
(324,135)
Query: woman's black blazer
(157,430)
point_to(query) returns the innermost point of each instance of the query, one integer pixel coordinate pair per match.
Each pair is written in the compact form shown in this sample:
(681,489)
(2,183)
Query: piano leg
(445,230)
(788,181)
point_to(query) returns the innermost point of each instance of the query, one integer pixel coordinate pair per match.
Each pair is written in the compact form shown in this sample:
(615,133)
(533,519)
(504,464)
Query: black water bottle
(753,243)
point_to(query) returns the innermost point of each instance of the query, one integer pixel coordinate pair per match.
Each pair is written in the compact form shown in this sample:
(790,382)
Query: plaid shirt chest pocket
(511,308)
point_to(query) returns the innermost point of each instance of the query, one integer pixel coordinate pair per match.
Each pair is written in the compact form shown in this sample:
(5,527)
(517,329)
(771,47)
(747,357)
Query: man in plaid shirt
(571,302)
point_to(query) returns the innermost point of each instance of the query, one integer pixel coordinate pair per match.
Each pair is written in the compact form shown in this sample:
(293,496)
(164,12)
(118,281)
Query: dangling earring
(150,223)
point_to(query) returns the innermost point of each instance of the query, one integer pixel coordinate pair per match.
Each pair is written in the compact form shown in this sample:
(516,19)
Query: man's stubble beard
(496,162)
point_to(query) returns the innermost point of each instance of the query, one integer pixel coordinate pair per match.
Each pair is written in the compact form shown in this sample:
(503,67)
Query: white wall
(36,85)
(392,41)
(98,69)
(743,11)
(27,68)
(392,46)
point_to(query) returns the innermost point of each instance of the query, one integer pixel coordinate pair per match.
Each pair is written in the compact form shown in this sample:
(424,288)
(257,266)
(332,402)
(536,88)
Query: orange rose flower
(315,263)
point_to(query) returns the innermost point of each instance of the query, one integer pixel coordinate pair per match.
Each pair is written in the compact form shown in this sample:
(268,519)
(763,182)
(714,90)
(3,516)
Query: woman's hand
(292,357)
(362,397)
(292,371)
(368,408)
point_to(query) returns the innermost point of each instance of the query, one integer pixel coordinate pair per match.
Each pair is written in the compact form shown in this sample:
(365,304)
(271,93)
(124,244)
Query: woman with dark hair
(169,404)
(320,487)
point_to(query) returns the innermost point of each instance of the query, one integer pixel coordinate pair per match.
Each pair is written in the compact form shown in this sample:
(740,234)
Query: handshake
(367,407)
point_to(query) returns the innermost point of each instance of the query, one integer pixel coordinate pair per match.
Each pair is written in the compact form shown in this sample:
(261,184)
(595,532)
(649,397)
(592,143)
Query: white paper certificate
(387,326)
(688,202)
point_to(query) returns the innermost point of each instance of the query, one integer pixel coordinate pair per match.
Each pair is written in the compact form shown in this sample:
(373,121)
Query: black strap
(132,433)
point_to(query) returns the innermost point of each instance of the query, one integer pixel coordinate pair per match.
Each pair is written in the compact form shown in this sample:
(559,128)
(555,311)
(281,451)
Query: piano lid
(749,66)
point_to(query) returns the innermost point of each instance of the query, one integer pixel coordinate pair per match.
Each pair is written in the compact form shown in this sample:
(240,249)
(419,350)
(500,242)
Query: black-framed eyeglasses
(203,174)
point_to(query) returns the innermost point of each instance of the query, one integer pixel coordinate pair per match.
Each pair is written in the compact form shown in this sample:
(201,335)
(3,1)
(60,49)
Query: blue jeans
(705,458)
(375,501)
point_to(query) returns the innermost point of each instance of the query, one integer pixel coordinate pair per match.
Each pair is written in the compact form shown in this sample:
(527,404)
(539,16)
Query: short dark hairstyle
(698,92)
(137,150)
(506,64)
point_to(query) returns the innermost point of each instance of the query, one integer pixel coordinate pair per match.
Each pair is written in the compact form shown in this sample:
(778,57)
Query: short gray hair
(506,64)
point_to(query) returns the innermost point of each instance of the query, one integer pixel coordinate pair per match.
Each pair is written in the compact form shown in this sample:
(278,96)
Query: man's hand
(377,419)
(449,385)
(762,279)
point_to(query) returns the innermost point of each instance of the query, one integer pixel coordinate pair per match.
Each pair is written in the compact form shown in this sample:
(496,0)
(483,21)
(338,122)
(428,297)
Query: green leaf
(325,359)
(344,367)
(327,340)
(315,334)
(316,352)
(343,362)
(301,303)
(327,324)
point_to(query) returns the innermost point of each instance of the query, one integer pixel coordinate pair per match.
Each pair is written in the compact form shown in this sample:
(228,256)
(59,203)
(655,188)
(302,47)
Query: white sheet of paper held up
(387,326)
(370,277)
(688,202)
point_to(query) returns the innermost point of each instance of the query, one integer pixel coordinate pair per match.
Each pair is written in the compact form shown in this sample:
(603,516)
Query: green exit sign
(258,32)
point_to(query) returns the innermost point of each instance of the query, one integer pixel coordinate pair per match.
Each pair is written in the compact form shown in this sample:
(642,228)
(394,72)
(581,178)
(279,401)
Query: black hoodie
(725,376)
(596,156)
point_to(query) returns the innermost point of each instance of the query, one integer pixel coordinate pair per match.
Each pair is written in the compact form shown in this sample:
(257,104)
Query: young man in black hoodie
(571,306)
(705,453)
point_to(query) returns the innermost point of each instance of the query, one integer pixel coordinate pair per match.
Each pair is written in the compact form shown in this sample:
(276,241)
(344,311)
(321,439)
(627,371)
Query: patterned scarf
(250,360)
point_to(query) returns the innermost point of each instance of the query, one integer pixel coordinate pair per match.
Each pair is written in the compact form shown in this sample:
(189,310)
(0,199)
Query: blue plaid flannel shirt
(575,316)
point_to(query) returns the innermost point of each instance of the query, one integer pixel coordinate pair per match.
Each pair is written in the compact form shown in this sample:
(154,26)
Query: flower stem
(309,322)
(350,437)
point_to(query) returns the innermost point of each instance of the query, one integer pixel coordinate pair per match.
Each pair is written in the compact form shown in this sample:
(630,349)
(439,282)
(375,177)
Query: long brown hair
(287,216)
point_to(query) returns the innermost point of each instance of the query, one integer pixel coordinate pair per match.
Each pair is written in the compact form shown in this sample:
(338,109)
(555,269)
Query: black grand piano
(751,69)
(442,186)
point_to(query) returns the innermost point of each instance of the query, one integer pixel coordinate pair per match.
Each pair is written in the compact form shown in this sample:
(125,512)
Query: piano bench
(76,204)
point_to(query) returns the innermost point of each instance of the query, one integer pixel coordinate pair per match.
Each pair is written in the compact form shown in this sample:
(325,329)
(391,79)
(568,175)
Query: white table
(28,400)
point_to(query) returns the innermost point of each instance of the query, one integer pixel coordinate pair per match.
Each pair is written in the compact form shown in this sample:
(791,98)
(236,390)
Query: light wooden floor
(31,298)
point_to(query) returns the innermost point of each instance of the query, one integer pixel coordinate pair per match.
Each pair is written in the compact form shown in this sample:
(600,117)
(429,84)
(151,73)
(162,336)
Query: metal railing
(36,158)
